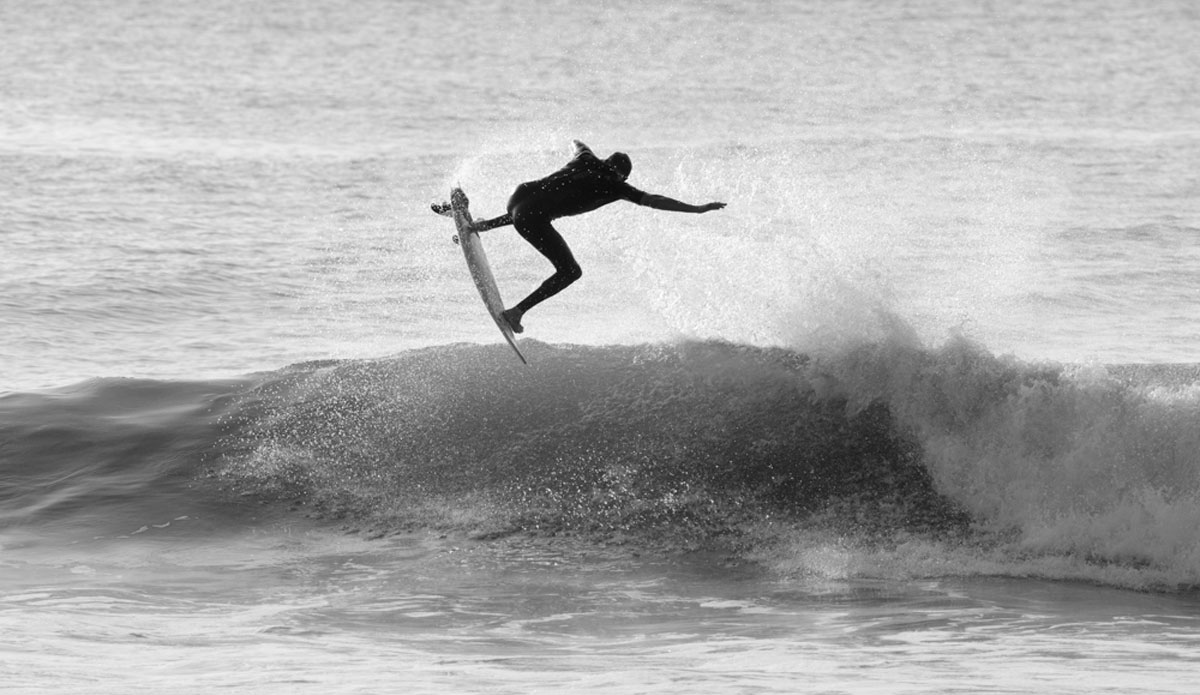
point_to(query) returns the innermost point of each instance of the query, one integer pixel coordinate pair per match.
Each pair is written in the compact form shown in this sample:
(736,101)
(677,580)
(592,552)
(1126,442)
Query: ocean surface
(918,412)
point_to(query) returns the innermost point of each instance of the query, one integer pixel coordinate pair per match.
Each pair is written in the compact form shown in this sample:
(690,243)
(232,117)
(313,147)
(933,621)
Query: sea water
(919,411)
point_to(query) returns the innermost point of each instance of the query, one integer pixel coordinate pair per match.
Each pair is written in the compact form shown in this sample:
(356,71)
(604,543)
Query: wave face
(107,451)
(923,460)
(588,438)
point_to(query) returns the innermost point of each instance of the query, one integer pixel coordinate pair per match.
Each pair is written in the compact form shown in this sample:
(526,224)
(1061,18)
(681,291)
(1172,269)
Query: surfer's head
(620,162)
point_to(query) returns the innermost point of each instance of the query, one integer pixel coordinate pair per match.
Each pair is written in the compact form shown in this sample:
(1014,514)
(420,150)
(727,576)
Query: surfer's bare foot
(513,318)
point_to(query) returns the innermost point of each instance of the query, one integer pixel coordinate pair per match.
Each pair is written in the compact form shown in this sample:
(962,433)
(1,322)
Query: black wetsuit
(584,184)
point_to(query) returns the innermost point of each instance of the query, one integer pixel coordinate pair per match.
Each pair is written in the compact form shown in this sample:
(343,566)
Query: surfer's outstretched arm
(662,202)
(446,210)
(484,225)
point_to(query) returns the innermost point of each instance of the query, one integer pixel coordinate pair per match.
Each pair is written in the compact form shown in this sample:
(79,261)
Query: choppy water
(917,412)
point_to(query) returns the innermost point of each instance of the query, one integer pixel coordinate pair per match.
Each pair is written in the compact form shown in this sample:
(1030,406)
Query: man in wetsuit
(584,184)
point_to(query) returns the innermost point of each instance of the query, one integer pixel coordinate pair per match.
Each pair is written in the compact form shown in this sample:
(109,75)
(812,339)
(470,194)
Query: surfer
(584,184)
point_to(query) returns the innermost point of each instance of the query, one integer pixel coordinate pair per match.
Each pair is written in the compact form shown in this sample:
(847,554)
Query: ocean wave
(608,439)
(949,452)
(85,453)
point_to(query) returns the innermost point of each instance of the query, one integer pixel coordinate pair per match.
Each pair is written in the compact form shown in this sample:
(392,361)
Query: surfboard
(481,272)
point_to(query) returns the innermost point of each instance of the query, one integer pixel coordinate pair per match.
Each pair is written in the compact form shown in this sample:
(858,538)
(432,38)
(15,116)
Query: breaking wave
(886,458)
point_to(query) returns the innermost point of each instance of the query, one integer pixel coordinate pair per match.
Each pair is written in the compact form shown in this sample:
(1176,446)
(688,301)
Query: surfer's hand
(712,206)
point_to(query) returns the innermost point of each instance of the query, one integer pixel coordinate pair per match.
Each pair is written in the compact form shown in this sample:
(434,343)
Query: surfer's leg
(546,239)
